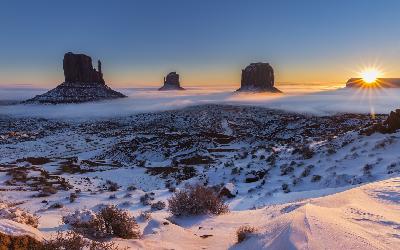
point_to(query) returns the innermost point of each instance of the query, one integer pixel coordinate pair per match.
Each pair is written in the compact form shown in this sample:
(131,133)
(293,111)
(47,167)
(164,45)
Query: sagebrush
(196,200)
(73,241)
(108,222)
(243,232)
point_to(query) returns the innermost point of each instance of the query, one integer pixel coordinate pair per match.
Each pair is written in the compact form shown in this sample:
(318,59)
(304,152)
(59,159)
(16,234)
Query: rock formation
(171,82)
(391,125)
(78,68)
(83,83)
(258,77)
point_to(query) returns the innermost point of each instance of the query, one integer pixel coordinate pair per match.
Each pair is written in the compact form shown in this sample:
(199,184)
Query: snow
(13,228)
(360,218)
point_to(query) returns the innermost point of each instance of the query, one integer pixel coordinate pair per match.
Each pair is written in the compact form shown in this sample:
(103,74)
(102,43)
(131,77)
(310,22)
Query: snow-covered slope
(13,228)
(275,163)
(365,217)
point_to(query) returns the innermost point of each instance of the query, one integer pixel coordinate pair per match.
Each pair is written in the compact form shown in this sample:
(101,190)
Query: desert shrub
(285,169)
(120,223)
(243,232)
(305,151)
(307,171)
(131,188)
(56,205)
(315,178)
(73,241)
(159,205)
(8,242)
(47,191)
(72,197)
(196,200)
(146,199)
(109,221)
(285,188)
(367,169)
(112,186)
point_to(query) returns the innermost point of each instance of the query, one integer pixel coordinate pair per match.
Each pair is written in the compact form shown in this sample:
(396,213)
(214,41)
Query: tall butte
(258,77)
(83,83)
(171,82)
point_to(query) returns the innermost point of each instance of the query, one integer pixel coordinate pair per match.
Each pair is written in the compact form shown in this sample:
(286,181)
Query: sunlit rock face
(258,77)
(378,83)
(83,83)
(171,82)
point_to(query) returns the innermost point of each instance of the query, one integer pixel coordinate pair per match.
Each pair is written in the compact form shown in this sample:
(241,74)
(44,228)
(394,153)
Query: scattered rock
(56,206)
(391,125)
(228,190)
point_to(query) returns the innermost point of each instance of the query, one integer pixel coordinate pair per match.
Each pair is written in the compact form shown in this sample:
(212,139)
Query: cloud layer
(151,100)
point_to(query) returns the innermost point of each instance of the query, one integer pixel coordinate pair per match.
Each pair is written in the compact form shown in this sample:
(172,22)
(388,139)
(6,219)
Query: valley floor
(302,181)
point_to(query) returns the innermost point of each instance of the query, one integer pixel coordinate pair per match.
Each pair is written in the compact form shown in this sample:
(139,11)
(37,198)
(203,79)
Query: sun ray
(370,75)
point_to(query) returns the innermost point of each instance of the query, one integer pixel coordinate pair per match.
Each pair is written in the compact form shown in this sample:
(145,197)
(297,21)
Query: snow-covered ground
(304,180)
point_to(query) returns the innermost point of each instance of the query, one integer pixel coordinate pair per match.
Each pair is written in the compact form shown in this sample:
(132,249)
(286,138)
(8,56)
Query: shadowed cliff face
(171,82)
(79,68)
(258,77)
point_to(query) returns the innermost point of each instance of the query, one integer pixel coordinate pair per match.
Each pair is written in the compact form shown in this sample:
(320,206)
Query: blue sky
(207,42)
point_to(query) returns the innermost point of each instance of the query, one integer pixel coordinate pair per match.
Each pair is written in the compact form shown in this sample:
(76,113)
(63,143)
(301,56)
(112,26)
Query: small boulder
(228,190)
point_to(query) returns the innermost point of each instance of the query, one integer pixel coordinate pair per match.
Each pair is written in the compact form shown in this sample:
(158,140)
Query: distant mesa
(83,83)
(258,77)
(378,83)
(171,82)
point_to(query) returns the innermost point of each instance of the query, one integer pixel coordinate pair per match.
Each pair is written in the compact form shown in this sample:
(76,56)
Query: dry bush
(72,197)
(243,232)
(109,221)
(8,242)
(47,191)
(119,223)
(196,200)
(112,186)
(73,241)
(159,205)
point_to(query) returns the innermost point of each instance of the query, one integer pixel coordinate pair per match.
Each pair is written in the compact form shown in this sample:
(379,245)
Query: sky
(207,42)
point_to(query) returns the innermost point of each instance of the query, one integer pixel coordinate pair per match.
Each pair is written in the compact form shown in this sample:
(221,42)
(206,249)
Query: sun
(370,75)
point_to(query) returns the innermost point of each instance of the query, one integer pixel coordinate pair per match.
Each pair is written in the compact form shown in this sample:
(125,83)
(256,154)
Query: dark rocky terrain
(82,83)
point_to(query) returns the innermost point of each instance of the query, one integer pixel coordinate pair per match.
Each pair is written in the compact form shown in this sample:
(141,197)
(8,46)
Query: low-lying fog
(149,100)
